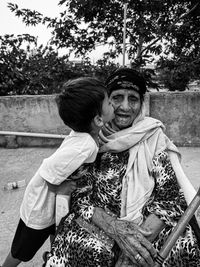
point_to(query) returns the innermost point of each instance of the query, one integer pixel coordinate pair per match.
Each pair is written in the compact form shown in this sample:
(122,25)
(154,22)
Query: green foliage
(26,68)
(103,68)
(150,23)
(150,78)
(169,28)
(179,70)
(12,60)
(174,75)
(32,69)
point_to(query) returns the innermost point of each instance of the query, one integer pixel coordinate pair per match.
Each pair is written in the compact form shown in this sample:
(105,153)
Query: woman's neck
(114,126)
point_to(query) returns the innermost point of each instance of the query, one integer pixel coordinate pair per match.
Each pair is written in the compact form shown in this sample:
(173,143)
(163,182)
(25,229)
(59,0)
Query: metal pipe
(43,135)
(124,34)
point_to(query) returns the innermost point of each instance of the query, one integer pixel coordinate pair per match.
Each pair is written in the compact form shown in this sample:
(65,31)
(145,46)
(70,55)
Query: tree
(168,29)
(153,26)
(12,59)
(26,68)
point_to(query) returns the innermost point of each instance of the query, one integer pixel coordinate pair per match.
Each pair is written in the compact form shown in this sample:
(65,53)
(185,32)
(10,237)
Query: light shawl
(145,139)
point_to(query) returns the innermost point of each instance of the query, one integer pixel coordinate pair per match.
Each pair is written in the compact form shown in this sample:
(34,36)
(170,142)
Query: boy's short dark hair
(80,101)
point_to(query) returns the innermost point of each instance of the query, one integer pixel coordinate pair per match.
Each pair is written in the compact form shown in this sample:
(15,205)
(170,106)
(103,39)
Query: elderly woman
(127,202)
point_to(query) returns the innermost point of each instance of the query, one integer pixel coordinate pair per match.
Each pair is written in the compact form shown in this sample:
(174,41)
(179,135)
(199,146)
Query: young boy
(84,106)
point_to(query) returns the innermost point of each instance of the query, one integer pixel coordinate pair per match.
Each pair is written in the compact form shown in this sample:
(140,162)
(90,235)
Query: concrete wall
(36,114)
(180,112)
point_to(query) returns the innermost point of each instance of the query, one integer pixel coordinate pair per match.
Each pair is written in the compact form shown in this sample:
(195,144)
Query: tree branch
(173,24)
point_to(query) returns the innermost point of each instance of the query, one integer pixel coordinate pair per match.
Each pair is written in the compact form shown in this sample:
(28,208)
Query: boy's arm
(65,188)
(60,179)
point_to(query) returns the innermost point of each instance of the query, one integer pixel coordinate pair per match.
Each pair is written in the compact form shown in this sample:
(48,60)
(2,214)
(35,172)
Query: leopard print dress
(79,243)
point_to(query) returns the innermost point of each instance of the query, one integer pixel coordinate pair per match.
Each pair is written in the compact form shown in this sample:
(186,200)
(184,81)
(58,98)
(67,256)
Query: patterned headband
(126,81)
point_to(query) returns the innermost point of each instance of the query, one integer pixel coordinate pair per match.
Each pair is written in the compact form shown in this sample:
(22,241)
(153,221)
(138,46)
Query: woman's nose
(125,104)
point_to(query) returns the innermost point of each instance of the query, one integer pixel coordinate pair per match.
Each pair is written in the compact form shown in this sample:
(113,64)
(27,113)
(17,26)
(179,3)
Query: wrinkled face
(127,105)
(107,113)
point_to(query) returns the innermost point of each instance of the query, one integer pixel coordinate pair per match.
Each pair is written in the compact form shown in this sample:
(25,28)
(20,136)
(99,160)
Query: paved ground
(19,164)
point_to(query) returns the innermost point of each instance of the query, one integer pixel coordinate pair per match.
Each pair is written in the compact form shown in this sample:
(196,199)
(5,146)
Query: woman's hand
(130,237)
(154,225)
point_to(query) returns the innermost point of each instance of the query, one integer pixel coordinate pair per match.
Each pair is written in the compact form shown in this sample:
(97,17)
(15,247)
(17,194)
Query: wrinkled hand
(133,242)
(66,188)
(154,225)
(124,261)
(130,237)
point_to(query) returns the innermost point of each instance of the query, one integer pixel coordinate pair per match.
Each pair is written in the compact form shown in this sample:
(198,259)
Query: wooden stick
(179,228)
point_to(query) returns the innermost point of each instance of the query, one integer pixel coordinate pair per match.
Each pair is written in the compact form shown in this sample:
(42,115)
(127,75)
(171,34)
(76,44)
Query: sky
(10,24)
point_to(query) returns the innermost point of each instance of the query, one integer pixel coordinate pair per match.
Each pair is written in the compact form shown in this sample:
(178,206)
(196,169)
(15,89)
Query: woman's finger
(143,253)
(143,257)
(149,247)
(135,244)
(140,236)
(131,248)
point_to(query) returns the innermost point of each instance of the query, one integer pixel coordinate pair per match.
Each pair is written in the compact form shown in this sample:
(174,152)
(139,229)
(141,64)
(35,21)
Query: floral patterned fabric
(80,243)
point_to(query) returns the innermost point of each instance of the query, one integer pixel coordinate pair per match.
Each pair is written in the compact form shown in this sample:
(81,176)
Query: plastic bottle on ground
(14,185)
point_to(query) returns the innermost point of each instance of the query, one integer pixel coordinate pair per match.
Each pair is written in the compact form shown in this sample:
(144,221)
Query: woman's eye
(132,99)
(117,98)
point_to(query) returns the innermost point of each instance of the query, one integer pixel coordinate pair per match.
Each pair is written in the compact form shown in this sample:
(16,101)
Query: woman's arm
(167,201)
(188,189)
(130,237)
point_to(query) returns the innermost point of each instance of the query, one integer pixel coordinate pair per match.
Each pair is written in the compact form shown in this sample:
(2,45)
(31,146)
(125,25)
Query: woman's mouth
(122,117)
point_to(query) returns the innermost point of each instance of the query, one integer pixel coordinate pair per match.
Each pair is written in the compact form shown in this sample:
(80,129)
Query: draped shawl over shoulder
(144,139)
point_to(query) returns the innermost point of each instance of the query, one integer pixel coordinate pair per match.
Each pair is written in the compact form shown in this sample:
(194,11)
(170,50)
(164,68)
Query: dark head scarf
(126,78)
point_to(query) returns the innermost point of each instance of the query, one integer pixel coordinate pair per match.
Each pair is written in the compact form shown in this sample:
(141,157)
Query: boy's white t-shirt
(38,206)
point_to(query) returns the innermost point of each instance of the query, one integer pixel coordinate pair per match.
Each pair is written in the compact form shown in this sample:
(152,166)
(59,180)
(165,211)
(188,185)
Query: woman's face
(127,105)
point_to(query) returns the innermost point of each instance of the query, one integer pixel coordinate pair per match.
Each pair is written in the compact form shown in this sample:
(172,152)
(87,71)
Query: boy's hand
(66,188)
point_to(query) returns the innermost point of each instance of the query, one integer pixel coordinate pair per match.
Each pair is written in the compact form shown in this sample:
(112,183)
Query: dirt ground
(20,164)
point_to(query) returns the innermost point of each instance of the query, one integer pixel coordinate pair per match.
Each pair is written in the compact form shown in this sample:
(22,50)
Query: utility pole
(124,33)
